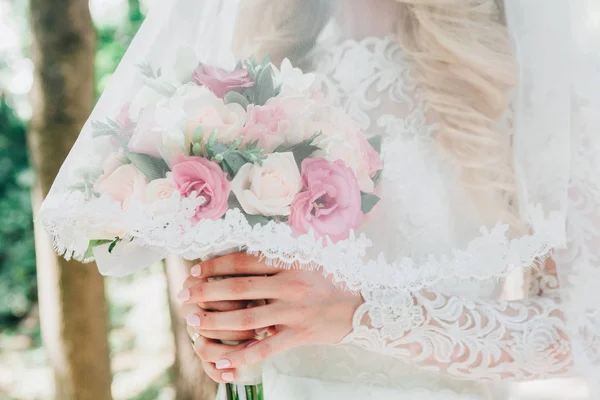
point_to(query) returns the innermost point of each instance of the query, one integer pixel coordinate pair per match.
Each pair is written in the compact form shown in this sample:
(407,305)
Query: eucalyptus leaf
(220,148)
(303,152)
(152,167)
(237,98)
(110,128)
(148,71)
(368,202)
(234,161)
(375,142)
(264,87)
(210,145)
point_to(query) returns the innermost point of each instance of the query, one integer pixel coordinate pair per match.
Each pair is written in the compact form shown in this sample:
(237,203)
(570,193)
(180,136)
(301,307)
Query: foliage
(113,42)
(18,291)
(17,257)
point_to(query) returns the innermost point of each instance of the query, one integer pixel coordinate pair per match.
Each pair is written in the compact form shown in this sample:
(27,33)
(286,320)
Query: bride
(478,267)
(437,81)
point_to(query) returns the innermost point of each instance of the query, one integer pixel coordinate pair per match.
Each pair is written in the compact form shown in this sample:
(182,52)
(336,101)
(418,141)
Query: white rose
(293,79)
(195,106)
(160,189)
(270,188)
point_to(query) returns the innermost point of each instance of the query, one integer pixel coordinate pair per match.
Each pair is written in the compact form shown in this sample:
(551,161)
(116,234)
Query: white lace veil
(556,159)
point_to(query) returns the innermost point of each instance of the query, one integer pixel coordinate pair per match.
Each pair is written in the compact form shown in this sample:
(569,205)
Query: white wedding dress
(458,341)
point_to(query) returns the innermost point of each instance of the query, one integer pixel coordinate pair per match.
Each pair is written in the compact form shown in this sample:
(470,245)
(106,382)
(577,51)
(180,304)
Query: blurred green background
(141,357)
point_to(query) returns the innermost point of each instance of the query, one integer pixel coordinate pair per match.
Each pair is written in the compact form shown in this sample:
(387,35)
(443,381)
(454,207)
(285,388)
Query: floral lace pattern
(467,339)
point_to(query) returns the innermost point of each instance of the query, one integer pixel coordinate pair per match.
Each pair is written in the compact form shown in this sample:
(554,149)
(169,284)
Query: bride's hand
(305,307)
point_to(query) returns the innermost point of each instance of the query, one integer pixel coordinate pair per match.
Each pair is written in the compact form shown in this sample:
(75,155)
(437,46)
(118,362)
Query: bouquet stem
(244,392)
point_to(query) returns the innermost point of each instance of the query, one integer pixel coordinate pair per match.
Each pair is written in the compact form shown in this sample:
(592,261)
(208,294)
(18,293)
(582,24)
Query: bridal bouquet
(205,161)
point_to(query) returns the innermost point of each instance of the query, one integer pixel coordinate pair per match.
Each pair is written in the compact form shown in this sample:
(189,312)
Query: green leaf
(113,244)
(238,98)
(264,87)
(220,148)
(198,134)
(257,219)
(210,145)
(148,72)
(152,167)
(377,177)
(234,161)
(301,150)
(375,142)
(110,128)
(89,253)
(305,142)
(368,202)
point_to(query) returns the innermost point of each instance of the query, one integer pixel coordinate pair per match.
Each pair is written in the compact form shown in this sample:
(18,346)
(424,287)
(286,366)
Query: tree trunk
(72,304)
(191,382)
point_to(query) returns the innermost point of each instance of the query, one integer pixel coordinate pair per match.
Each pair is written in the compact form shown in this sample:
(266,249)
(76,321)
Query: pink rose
(330,203)
(197,174)
(220,81)
(123,184)
(266,124)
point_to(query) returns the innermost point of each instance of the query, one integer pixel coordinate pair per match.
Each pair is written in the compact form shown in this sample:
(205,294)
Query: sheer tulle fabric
(432,271)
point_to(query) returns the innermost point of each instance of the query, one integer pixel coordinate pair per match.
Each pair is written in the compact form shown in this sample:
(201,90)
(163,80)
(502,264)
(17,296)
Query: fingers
(239,320)
(236,289)
(219,375)
(223,305)
(229,336)
(232,264)
(212,351)
(258,351)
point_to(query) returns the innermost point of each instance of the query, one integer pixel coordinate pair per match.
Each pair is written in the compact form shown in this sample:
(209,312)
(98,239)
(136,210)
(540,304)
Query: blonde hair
(464,64)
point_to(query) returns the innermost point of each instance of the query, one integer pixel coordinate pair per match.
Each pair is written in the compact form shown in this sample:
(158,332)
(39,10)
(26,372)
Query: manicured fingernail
(227,376)
(196,271)
(222,364)
(261,333)
(184,295)
(193,320)
(254,342)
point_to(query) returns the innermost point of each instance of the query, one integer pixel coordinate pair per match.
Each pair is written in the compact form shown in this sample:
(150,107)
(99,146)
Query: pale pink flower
(200,108)
(343,140)
(147,136)
(123,184)
(268,125)
(207,180)
(113,161)
(330,203)
(221,81)
(160,189)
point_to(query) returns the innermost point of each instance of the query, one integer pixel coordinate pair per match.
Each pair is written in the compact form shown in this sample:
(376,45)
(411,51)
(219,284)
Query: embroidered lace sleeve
(470,339)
